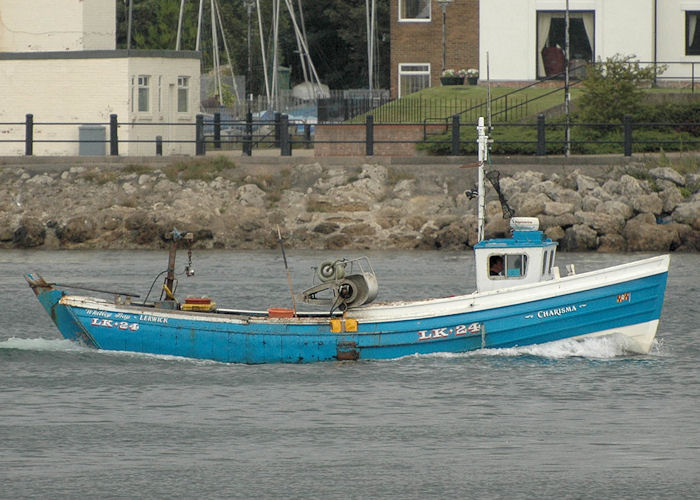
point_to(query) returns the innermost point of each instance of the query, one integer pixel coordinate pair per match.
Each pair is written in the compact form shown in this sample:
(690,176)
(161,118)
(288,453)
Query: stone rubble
(366,206)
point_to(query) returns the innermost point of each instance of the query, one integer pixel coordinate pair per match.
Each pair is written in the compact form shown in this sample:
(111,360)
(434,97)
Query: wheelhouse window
(183,93)
(414,10)
(144,93)
(692,33)
(507,266)
(413,77)
(551,42)
(548,262)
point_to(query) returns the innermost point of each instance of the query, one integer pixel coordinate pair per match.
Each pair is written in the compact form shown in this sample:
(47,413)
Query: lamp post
(443,5)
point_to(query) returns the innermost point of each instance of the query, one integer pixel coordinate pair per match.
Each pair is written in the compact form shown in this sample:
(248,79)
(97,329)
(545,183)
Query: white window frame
(691,16)
(415,19)
(403,72)
(144,89)
(183,84)
(543,20)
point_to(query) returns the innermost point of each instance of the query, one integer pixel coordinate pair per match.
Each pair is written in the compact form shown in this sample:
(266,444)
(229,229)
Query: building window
(413,77)
(692,33)
(551,42)
(144,91)
(183,93)
(414,10)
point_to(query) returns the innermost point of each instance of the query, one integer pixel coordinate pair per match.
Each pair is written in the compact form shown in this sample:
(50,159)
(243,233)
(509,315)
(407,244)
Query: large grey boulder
(579,238)
(585,183)
(29,234)
(617,208)
(688,213)
(250,195)
(642,233)
(602,222)
(650,202)
(671,198)
(668,174)
(76,230)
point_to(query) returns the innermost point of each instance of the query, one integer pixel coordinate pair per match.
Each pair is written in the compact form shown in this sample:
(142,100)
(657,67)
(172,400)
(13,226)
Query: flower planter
(473,80)
(452,80)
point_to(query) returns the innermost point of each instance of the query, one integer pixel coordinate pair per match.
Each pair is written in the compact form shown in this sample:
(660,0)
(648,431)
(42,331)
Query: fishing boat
(521,299)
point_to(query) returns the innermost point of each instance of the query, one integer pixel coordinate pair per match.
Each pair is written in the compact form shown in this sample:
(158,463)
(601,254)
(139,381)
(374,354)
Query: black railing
(539,138)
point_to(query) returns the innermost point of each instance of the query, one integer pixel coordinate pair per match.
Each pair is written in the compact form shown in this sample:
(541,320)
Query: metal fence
(453,137)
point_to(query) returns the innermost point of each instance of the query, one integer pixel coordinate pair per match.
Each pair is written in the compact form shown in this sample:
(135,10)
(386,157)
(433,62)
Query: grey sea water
(568,420)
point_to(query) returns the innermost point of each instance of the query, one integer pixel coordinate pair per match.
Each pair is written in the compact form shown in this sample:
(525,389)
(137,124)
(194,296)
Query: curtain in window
(544,20)
(588,26)
(693,34)
(692,24)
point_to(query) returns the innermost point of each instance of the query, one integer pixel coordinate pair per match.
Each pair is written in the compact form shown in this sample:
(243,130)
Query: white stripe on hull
(638,338)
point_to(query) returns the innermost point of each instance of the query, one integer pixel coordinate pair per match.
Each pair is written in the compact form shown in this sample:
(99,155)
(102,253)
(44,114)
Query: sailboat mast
(370,12)
(199,24)
(179,25)
(262,52)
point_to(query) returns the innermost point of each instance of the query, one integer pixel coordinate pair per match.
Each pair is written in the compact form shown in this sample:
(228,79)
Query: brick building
(416,41)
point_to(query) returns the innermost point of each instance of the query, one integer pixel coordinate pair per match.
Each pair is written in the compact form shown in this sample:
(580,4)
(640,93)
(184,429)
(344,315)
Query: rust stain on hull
(347,351)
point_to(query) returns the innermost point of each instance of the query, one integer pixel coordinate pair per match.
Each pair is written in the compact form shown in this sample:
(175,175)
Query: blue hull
(244,338)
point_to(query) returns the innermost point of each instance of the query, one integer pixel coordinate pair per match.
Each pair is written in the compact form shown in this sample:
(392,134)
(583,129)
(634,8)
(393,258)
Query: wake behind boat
(521,299)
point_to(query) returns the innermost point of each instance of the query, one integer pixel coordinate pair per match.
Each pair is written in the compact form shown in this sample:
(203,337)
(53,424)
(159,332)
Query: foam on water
(594,348)
(40,344)
(64,345)
(160,357)
(607,347)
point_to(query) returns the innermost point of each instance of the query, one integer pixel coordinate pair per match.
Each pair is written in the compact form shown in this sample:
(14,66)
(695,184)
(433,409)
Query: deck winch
(344,285)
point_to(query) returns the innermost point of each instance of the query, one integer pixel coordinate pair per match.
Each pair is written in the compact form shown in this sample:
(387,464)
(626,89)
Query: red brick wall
(328,139)
(422,42)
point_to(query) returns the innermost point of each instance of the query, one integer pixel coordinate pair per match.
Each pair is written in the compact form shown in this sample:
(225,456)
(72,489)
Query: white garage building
(59,63)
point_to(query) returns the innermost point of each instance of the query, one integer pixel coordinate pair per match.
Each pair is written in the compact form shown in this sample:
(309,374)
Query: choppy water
(563,421)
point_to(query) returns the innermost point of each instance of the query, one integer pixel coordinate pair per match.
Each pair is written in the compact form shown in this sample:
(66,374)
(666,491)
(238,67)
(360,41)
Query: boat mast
(483,141)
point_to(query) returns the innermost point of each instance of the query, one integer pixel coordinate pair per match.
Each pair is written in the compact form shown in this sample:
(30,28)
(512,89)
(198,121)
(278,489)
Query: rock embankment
(620,208)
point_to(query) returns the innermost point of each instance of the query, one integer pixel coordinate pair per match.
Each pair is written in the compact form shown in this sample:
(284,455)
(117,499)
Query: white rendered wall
(671,39)
(166,121)
(508,32)
(57,25)
(59,90)
(87,91)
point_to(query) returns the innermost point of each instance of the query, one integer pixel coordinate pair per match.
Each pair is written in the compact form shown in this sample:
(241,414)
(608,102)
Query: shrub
(614,88)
